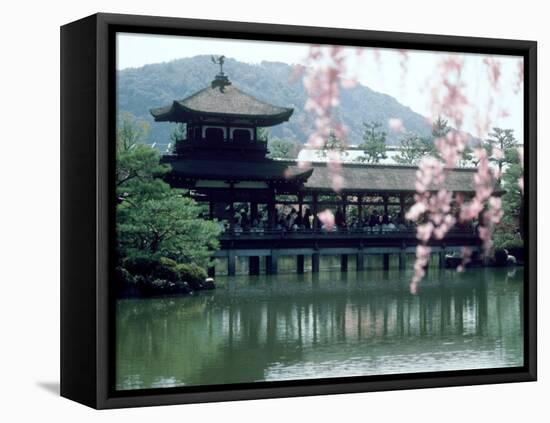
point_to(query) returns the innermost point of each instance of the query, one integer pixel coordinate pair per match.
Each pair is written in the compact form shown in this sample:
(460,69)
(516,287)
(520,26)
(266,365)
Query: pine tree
(501,147)
(333,144)
(154,219)
(282,149)
(413,148)
(440,128)
(374,143)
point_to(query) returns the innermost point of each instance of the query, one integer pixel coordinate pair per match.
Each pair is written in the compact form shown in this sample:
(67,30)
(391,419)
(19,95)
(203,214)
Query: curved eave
(297,178)
(267,171)
(178,113)
(301,177)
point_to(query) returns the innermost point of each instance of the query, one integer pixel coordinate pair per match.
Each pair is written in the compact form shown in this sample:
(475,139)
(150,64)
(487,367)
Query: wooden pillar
(442,258)
(385,199)
(231,207)
(360,207)
(402,259)
(402,208)
(360,261)
(271,267)
(300,260)
(253,211)
(231,263)
(211,271)
(314,210)
(315,258)
(271,214)
(300,205)
(386,261)
(254,265)
(343,263)
(344,209)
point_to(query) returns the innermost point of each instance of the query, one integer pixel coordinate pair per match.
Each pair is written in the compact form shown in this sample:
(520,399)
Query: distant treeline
(159,84)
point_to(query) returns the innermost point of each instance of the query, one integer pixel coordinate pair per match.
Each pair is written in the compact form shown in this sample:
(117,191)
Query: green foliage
(467,156)
(262,134)
(440,128)
(138,169)
(154,275)
(501,138)
(140,264)
(505,141)
(192,274)
(167,273)
(509,232)
(282,149)
(154,220)
(512,200)
(374,143)
(507,240)
(414,148)
(168,226)
(131,131)
(124,277)
(333,144)
(165,261)
(178,135)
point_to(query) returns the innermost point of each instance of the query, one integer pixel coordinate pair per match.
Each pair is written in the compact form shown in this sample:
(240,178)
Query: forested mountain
(155,85)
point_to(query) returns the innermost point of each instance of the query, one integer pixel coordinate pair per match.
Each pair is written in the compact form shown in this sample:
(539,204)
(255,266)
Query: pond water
(332,324)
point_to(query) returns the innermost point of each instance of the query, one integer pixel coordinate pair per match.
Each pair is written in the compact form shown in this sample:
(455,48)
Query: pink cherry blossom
(494,70)
(326,217)
(424,231)
(323,79)
(520,76)
(304,164)
(498,154)
(466,258)
(396,125)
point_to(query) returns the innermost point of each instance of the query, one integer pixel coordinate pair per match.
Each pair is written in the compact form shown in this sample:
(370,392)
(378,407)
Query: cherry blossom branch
(322,82)
(433,203)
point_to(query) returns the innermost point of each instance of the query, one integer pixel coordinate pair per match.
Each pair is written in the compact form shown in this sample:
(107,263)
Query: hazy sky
(411,87)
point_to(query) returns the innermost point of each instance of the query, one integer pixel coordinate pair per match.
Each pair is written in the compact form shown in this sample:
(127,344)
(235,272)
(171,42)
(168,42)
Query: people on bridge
(293,219)
(307,220)
(340,218)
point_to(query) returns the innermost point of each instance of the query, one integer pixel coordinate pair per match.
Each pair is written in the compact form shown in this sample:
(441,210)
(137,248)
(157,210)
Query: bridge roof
(366,178)
(383,178)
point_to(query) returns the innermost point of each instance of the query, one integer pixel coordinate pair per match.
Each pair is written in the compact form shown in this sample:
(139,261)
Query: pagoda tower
(221,158)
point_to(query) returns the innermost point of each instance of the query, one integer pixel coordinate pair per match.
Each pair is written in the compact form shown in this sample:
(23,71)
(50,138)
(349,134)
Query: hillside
(159,84)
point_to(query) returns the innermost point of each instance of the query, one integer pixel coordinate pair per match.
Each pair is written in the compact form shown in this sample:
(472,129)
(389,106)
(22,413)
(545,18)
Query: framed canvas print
(255,211)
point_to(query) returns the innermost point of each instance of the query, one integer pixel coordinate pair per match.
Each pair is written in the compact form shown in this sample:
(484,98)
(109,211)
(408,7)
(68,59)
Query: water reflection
(327,325)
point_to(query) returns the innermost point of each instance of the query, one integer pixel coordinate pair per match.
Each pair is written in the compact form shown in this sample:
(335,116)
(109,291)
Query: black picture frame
(87,208)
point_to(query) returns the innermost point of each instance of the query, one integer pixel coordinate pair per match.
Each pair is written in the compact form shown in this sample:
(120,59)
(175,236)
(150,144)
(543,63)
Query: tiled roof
(229,102)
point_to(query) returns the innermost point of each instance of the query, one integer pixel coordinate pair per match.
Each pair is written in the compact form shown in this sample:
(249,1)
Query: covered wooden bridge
(222,161)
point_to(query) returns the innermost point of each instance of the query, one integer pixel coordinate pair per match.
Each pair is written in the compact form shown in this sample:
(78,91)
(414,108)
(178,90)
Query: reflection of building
(222,161)
(324,326)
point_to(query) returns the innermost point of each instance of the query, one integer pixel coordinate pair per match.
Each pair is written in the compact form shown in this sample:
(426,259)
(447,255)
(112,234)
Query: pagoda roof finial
(221,80)
(219,60)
